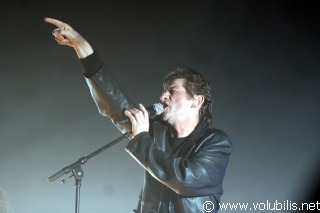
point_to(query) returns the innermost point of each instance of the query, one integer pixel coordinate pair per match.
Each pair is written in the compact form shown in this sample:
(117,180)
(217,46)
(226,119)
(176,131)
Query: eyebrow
(178,88)
(173,86)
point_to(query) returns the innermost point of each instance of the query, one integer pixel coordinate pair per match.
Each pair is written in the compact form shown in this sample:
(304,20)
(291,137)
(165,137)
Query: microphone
(155,109)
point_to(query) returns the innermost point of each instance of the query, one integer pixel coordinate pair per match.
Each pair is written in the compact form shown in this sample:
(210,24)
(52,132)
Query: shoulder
(213,135)
(206,128)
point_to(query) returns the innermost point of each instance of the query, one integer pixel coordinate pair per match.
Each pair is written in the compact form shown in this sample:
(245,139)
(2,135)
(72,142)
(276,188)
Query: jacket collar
(161,133)
(193,139)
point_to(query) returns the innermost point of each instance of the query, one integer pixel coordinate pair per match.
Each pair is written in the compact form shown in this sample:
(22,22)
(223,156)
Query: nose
(164,96)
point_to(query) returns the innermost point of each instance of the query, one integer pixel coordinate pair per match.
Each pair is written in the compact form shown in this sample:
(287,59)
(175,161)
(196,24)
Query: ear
(197,101)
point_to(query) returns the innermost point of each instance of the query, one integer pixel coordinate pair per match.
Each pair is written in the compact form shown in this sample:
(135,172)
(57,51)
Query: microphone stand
(77,171)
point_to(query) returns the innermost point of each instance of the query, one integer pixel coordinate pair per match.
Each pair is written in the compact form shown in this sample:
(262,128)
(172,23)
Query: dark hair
(195,84)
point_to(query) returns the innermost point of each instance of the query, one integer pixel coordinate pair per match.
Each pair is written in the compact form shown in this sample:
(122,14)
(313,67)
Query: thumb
(59,34)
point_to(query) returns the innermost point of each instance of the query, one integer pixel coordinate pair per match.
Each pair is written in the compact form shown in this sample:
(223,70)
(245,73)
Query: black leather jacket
(185,181)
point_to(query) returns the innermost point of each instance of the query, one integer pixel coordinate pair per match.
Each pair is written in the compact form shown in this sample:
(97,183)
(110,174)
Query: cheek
(183,104)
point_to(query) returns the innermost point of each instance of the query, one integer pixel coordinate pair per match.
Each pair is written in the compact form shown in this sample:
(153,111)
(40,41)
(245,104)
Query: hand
(139,119)
(66,35)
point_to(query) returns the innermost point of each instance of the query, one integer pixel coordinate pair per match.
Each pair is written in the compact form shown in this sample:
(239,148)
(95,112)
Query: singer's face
(176,102)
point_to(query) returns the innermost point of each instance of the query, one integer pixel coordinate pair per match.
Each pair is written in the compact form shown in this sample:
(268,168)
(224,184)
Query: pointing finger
(55,22)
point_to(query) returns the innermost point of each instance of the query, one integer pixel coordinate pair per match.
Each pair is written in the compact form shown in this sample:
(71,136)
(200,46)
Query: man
(184,157)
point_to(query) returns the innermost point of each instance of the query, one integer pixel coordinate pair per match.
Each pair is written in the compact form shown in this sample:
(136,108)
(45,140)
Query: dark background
(262,58)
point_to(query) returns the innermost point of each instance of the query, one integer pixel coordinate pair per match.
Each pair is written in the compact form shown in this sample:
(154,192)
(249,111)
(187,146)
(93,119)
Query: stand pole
(77,171)
(78,175)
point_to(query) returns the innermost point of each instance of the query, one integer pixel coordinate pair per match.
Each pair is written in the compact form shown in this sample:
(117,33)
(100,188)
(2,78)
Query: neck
(184,128)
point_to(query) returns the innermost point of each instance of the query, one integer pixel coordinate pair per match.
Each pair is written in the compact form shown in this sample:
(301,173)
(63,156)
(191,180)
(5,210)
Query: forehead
(179,82)
(176,83)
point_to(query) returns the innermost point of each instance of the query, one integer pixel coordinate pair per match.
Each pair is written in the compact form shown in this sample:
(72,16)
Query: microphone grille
(158,108)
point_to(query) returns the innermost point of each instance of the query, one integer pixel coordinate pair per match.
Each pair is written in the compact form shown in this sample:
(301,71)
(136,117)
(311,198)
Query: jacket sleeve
(105,91)
(199,174)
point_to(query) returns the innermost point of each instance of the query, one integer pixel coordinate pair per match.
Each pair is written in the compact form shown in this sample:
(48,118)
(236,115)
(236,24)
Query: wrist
(83,49)
(91,64)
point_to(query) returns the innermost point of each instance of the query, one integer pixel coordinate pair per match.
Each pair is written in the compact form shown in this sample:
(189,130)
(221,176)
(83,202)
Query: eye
(172,91)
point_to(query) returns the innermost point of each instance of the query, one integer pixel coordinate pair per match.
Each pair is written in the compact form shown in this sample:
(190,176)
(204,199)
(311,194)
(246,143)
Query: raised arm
(105,91)
(65,35)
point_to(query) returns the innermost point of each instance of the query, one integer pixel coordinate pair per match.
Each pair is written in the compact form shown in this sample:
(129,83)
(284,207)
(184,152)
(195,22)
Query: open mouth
(164,105)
